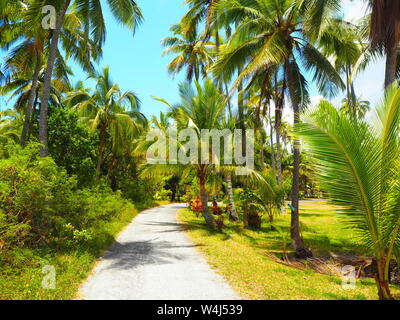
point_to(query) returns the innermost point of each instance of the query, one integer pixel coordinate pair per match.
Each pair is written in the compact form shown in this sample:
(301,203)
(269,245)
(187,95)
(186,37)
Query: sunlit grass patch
(240,256)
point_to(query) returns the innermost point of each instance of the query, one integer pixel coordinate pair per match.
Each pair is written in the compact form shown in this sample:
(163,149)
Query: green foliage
(358,165)
(72,146)
(265,196)
(41,205)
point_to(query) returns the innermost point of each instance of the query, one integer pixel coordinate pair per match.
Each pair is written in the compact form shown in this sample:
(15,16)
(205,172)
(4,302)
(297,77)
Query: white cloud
(355,10)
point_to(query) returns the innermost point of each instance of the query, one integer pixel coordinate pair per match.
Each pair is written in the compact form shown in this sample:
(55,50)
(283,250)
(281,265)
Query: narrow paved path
(154,259)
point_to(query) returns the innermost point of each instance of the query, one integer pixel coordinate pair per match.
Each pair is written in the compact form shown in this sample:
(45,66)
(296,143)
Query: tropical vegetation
(74,159)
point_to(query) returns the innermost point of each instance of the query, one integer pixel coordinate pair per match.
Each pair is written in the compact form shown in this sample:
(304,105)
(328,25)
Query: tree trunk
(297,241)
(278,115)
(102,145)
(271,138)
(204,202)
(241,114)
(44,148)
(262,150)
(279,101)
(353,91)
(381,280)
(278,155)
(295,221)
(233,213)
(31,101)
(391,65)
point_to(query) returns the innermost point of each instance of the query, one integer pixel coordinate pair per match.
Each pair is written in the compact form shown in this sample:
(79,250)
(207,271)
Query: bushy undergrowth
(45,218)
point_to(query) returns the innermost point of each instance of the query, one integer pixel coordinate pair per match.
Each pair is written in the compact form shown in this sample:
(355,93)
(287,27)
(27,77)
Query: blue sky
(136,63)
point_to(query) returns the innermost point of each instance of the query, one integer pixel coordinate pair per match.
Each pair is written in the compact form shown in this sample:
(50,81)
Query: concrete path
(154,259)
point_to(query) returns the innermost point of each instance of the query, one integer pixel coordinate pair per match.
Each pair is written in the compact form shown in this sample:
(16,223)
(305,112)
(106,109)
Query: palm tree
(8,127)
(125,11)
(191,50)
(343,42)
(281,33)
(359,167)
(385,33)
(109,111)
(26,58)
(21,87)
(356,108)
(199,109)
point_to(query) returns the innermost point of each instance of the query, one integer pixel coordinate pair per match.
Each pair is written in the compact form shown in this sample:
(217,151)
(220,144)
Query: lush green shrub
(72,145)
(40,204)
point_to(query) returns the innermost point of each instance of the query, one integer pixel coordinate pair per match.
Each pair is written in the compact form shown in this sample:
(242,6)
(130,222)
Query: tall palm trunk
(31,101)
(271,138)
(204,200)
(44,148)
(391,65)
(241,114)
(278,153)
(262,156)
(233,215)
(279,100)
(278,117)
(295,221)
(297,241)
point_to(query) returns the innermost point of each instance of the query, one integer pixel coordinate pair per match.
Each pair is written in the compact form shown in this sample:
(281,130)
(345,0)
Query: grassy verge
(240,256)
(22,277)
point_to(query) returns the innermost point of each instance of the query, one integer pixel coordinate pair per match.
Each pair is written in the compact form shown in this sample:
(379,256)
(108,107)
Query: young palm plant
(358,164)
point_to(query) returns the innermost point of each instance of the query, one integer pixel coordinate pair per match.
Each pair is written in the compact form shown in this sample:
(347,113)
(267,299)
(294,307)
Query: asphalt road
(154,259)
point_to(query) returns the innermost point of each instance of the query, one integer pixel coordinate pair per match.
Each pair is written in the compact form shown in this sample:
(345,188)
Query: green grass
(240,256)
(21,277)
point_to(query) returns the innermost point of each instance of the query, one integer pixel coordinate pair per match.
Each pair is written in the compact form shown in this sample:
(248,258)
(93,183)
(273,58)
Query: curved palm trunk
(31,102)
(204,201)
(44,148)
(233,215)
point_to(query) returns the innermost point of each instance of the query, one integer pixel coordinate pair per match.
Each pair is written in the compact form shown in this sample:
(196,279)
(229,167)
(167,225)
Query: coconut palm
(193,53)
(20,88)
(343,42)
(26,57)
(109,111)
(385,34)
(199,108)
(284,34)
(358,164)
(356,108)
(125,11)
